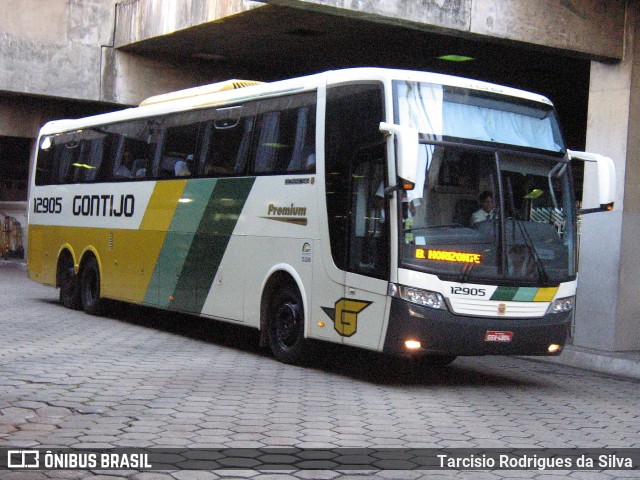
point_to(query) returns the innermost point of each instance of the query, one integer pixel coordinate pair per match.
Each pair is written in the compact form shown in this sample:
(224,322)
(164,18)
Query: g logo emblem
(345,315)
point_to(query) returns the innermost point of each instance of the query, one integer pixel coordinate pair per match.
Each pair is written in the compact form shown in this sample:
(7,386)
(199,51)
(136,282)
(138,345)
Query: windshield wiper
(465,272)
(533,253)
(542,272)
(556,171)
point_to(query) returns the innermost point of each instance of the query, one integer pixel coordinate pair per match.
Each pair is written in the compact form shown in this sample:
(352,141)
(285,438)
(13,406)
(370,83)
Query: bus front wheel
(90,287)
(286,326)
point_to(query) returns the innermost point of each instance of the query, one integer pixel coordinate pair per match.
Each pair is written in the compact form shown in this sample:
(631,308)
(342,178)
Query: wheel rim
(287,324)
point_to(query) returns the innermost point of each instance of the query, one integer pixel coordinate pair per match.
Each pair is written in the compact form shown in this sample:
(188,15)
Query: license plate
(498,336)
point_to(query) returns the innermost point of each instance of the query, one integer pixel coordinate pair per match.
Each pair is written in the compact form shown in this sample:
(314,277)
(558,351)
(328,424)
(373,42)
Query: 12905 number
(476,292)
(47,205)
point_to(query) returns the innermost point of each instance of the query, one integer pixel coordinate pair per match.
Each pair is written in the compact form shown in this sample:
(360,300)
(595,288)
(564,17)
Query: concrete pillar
(608,303)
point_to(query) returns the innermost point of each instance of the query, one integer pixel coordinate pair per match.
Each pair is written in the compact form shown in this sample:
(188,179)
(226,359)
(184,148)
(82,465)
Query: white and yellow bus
(342,206)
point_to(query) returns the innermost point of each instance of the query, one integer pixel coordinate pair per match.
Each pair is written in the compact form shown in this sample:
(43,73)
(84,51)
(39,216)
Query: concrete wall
(129,78)
(143,19)
(19,117)
(588,27)
(608,309)
(53,47)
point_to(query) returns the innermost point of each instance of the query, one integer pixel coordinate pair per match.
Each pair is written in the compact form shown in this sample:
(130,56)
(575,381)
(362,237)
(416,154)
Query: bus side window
(96,148)
(45,164)
(74,157)
(179,146)
(274,141)
(66,156)
(303,158)
(135,151)
(286,135)
(55,158)
(227,142)
(91,159)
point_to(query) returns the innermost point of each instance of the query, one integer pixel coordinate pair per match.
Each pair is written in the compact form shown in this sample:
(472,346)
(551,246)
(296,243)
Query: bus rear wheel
(286,326)
(90,287)
(69,285)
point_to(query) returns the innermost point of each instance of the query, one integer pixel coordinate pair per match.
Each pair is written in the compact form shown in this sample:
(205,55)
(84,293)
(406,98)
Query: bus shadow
(355,363)
(373,367)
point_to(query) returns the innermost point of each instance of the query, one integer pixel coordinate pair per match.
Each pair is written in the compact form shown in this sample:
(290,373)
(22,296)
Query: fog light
(413,344)
(554,348)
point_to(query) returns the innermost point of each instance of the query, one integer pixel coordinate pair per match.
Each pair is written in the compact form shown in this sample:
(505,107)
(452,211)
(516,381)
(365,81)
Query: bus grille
(488,308)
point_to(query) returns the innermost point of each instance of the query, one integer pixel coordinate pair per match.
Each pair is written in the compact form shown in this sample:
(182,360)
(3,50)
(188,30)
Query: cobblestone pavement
(144,378)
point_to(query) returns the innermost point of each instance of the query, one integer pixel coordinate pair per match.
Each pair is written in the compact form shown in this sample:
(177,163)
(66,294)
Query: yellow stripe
(126,257)
(545,294)
(162,205)
(148,240)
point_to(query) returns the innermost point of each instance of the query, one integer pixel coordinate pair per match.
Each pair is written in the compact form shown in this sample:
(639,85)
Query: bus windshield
(473,116)
(494,198)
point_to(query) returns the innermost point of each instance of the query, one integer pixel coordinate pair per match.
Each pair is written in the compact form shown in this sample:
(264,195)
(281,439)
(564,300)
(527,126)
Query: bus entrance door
(361,318)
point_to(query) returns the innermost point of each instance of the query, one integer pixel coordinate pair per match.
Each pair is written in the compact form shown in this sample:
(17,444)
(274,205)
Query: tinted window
(261,137)
(73,157)
(179,145)
(285,135)
(227,141)
(136,149)
(355,174)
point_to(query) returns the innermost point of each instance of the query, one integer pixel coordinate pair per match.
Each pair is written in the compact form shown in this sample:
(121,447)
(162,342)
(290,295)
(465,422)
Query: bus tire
(286,326)
(90,287)
(69,284)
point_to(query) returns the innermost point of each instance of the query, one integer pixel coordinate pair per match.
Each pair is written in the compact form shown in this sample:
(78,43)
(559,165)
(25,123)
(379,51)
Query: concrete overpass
(69,58)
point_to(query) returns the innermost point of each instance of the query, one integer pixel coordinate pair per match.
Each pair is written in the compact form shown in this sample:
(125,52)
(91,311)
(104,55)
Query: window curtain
(420,106)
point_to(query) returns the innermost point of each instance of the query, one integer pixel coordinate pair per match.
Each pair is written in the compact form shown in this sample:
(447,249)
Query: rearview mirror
(605,172)
(407,142)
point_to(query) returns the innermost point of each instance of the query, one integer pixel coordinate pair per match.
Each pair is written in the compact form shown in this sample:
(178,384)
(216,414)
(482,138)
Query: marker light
(455,58)
(554,348)
(418,296)
(413,344)
(561,305)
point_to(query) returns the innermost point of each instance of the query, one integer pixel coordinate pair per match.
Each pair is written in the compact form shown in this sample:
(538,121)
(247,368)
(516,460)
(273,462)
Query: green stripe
(515,294)
(525,294)
(185,221)
(211,238)
(504,294)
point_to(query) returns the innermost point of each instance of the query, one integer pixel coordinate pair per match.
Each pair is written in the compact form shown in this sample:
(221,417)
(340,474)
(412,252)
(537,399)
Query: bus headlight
(562,305)
(418,296)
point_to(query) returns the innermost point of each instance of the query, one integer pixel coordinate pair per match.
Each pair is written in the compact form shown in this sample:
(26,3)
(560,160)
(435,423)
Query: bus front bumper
(441,332)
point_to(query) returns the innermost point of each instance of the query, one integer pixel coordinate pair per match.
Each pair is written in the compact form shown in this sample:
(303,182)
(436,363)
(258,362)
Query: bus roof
(242,90)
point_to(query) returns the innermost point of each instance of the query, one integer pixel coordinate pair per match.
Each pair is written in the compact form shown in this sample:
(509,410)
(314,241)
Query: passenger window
(72,157)
(66,155)
(286,135)
(91,156)
(54,159)
(45,166)
(180,144)
(136,149)
(227,142)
